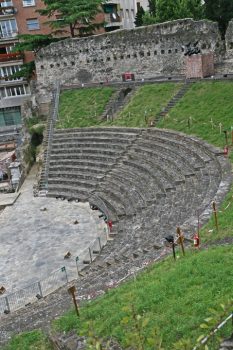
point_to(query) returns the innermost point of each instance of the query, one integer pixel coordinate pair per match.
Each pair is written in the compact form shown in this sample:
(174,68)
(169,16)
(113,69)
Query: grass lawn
(34,340)
(208,104)
(147,102)
(83,107)
(174,298)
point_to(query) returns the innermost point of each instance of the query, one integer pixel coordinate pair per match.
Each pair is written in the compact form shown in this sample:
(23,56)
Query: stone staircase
(42,187)
(147,181)
(118,101)
(173,101)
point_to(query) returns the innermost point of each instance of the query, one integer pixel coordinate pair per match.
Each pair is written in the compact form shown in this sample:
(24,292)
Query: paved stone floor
(33,242)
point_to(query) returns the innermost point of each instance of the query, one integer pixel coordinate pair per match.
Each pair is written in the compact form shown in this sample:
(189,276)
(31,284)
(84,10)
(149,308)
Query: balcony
(13,56)
(112,19)
(7,8)
(6,35)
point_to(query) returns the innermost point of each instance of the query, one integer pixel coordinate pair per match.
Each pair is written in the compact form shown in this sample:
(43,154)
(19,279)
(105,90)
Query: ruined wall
(229,40)
(147,51)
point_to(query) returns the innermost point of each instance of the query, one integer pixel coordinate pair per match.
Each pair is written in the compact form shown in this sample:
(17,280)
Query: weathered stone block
(199,66)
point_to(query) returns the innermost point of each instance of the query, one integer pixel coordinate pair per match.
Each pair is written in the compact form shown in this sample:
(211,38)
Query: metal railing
(53,119)
(55,280)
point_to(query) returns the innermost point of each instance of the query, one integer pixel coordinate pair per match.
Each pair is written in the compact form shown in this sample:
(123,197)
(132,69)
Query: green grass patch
(83,107)
(34,340)
(174,297)
(147,102)
(225,223)
(200,112)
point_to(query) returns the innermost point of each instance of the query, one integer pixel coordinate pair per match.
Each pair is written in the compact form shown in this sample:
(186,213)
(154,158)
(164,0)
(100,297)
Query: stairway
(118,101)
(43,181)
(173,101)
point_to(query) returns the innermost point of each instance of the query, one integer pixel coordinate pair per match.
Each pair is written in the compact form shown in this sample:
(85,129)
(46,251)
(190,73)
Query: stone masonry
(146,51)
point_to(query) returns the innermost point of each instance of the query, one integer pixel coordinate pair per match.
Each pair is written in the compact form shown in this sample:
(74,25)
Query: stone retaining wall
(146,51)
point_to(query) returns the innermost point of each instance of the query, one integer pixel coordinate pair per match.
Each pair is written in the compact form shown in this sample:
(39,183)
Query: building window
(6,4)
(10,116)
(8,28)
(28,3)
(33,24)
(13,91)
(7,72)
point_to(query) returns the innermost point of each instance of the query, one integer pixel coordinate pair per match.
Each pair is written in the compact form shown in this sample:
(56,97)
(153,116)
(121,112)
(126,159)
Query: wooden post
(71,291)
(220,127)
(215,215)
(198,226)
(173,250)
(181,239)
(226,137)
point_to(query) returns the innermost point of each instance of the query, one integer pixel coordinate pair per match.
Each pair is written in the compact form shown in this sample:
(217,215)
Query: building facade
(120,14)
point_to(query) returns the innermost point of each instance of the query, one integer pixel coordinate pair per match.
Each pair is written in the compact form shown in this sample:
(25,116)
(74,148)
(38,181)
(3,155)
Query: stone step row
(95,138)
(96,130)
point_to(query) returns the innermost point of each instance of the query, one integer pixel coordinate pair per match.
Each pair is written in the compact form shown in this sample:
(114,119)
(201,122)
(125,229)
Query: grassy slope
(34,340)
(203,102)
(174,296)
(148,101)
(81,108)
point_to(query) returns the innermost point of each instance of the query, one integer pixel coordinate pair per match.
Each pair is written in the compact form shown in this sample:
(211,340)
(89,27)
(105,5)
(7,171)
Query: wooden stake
(226,137)
(220,127)
(198,225)
(174,251)
(215,216)
(181,239)
(71,291)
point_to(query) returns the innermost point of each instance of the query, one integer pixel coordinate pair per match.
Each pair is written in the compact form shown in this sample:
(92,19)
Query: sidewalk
(34,241)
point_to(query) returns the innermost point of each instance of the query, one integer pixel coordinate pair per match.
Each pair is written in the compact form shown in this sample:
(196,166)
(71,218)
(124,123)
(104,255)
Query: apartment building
(120,14)
(16,17)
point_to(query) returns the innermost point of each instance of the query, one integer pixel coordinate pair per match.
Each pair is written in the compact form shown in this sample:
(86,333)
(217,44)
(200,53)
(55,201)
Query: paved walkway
(34,242)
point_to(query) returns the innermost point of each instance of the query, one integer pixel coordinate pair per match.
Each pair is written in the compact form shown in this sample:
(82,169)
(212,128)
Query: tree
(175,9)
(152,7)
(77,15)
(220,11)
(34,43)
(168,10)
(29,42)
(139,17)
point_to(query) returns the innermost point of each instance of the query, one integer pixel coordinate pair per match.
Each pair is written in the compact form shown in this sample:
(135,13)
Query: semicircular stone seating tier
(146,181)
